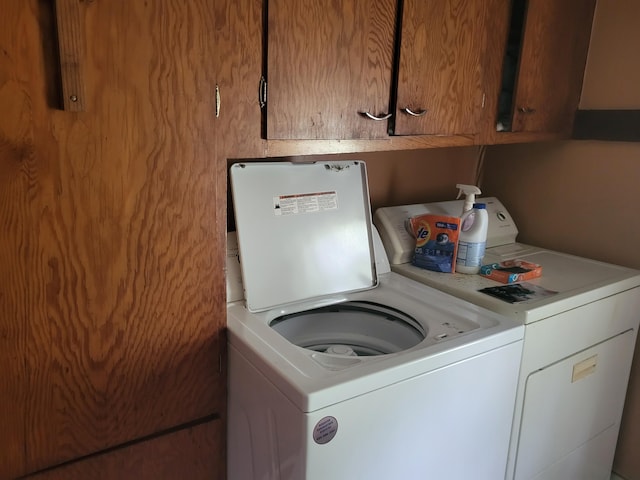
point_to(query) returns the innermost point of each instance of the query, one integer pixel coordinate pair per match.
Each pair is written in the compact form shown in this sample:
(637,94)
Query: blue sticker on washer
(325,430)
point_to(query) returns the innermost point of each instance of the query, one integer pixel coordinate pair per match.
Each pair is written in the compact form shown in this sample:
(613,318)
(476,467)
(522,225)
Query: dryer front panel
(568,405)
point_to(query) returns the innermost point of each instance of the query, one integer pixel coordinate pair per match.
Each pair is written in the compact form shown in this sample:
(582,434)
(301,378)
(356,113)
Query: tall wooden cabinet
(112,294)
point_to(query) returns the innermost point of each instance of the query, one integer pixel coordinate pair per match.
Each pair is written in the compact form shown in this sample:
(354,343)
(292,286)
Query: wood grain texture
(192,453)
(496,30)
(552,60)
(327,61)
(111,285)
(70,34)
(238,41)
(281,148)
(18,216)
(526,137)
(441,66)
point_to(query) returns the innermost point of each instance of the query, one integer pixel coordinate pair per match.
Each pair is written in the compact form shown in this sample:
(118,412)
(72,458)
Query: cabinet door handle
(419,113)
(526,110)
(383,116)
(217,101)
(262,92)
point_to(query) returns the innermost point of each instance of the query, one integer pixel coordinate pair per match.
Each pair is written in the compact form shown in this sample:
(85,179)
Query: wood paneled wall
(111,257)
(194,452)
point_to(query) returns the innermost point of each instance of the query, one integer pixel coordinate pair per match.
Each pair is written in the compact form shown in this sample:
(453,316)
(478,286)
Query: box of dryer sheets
(436,241)
(511,271)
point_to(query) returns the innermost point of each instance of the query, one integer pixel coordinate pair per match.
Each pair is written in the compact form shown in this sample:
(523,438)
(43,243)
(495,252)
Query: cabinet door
(194,453)
(328,63)
(554,51)
(441,66)
(112,303)
(238,31)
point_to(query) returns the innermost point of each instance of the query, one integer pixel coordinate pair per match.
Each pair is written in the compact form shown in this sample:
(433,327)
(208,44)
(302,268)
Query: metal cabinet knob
(526,110)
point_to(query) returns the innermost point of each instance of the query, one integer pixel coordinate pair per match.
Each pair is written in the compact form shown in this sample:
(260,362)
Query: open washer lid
(304,230)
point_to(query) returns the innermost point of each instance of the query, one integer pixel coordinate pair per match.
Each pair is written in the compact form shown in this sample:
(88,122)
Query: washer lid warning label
(305,203)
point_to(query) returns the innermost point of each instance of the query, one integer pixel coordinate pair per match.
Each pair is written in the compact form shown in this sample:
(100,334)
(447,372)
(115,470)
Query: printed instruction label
(305,203)
(325,430)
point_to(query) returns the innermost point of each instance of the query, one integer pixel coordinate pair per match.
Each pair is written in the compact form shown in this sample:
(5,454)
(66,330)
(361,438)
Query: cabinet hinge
(262,92)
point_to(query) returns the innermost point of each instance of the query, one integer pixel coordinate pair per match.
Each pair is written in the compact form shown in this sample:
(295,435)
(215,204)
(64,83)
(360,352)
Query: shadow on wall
(574,196)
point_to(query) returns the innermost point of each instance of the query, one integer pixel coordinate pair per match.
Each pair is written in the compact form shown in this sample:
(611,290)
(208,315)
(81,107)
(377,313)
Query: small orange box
(511,271)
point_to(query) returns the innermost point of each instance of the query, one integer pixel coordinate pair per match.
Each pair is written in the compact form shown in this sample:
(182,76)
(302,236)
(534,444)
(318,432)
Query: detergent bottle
(472,240)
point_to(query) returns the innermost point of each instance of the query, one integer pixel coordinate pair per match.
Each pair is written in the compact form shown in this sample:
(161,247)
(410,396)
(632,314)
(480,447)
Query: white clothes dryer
(581,321)
(340,368)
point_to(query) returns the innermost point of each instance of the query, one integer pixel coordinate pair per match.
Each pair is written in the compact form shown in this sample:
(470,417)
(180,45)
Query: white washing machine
(581,320)
(340,368)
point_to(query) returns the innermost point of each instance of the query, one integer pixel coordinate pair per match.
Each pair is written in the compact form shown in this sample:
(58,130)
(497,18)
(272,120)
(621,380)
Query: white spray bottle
(470,192)
(473,231)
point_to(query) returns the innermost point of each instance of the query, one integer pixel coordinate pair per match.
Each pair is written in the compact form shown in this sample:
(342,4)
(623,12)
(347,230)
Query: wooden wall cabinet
(450,68)
(544,66)
(334,68)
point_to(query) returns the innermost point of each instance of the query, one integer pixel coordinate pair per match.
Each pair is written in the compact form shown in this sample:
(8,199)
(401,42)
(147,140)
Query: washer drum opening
(351,329)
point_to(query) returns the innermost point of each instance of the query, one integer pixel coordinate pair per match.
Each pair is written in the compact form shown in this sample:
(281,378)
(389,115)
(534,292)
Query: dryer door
(572,412)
